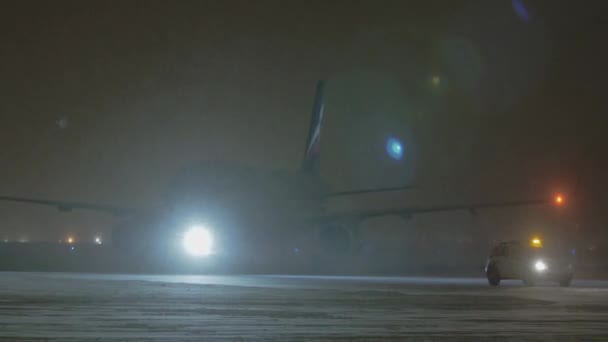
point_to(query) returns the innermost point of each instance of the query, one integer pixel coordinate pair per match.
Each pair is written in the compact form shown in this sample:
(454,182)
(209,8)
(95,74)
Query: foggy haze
(110,102)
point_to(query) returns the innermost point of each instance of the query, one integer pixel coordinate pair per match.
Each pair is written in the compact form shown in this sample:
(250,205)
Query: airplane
(208,207)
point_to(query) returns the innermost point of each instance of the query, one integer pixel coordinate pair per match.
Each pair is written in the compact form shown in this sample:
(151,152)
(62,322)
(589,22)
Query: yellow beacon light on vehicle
(536,242)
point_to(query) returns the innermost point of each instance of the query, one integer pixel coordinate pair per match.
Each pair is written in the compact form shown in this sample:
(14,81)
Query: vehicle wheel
(565,282)
(493,276)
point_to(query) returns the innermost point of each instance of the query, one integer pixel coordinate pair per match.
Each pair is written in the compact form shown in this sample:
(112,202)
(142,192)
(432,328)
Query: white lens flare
(198,241)
(540,266)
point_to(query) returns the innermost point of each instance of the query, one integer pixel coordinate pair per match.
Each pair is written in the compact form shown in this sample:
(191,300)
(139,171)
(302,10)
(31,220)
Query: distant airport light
(70,239)
(198,241)
(536,242)
(559,200)
(436,80)
(98,240)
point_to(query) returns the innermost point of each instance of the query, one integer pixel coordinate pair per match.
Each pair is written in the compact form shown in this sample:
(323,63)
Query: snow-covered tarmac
(75,307)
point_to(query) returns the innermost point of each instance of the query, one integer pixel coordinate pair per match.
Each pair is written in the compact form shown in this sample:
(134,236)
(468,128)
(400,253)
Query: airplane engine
(336,239)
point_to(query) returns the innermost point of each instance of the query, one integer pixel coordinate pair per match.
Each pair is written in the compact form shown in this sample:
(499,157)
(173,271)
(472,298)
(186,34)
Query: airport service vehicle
(530,262)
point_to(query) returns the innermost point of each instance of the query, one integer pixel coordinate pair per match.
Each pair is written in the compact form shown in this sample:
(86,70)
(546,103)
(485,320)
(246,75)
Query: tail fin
(312,154)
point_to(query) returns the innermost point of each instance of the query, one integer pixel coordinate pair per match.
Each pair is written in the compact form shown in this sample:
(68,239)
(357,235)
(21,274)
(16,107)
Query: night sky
(107,101)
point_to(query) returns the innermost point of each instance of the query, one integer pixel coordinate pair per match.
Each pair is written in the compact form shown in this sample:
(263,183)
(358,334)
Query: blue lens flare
(394,148)
(521,10)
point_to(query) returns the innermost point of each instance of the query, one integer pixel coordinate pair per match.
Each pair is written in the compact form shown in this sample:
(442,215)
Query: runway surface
(75,307)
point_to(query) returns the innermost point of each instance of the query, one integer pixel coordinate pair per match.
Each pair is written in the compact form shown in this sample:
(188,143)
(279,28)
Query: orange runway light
(559,199)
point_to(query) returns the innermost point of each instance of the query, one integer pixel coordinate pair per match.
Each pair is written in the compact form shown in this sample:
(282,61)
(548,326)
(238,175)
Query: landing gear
(529,282)
(493,275)
(565,282)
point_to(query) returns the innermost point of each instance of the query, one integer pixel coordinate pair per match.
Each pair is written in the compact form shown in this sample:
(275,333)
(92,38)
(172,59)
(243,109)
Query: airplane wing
(367,191)
(409,211)
(69,206)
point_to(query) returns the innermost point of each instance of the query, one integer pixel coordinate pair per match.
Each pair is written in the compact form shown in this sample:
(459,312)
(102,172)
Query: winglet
(311,162)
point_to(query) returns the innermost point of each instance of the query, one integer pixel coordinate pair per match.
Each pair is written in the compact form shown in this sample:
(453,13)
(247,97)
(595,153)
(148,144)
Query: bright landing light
(198,241)
(540,266)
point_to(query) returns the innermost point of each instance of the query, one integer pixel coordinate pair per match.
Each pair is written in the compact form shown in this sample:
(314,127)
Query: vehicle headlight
(540,266)
(198,241)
